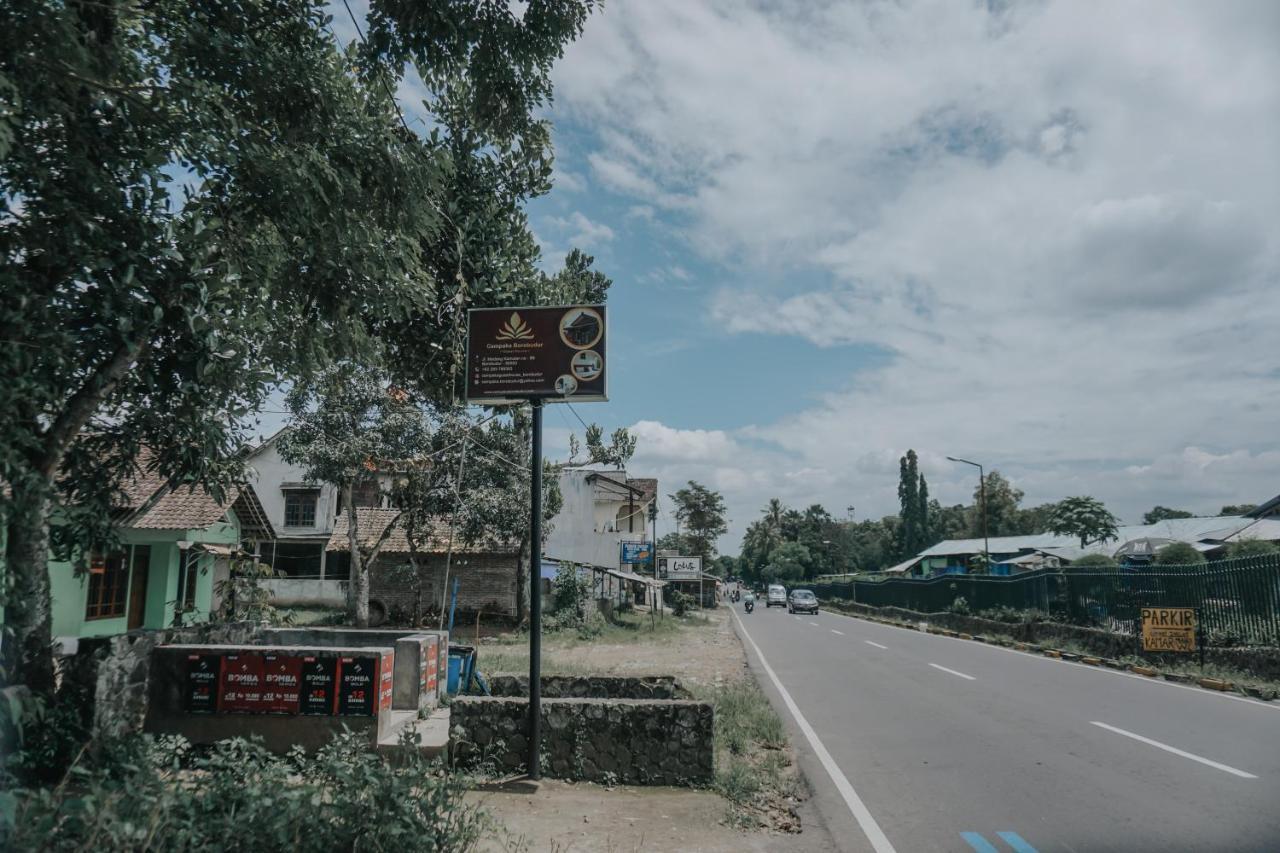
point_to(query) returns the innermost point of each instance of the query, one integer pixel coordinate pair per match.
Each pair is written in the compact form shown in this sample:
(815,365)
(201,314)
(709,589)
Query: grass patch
(754,770)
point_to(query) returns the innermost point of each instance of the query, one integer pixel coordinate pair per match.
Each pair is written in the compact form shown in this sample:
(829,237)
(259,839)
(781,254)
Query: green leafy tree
(1237,509)
(1179,554)
(1002,501)
(787,563)
(912,529)
(1163,513)
(345,426)
(1034,519)
(948,522)
(619,450)
(1085,518)
(701,514)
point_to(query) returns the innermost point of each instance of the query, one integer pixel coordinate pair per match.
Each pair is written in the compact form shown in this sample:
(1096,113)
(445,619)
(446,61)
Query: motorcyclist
(749,601)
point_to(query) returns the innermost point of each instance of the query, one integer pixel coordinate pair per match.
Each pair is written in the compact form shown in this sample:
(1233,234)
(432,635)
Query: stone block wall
(591,687)
(486,582)
(626,741)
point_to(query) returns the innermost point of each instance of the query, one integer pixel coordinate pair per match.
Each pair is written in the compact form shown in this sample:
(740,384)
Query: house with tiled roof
(175,543)
(602,508)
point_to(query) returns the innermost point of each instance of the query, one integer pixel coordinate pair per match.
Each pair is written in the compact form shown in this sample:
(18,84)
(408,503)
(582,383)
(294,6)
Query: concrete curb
(1260,693)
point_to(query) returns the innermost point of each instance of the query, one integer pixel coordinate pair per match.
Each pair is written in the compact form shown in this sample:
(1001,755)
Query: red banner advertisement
(282,679)
(241,684)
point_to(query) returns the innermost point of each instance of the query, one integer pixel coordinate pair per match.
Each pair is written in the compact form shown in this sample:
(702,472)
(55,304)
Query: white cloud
(1057,219)
(580,231)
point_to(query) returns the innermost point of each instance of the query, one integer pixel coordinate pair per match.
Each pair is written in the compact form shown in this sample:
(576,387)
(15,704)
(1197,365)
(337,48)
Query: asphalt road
(916,742)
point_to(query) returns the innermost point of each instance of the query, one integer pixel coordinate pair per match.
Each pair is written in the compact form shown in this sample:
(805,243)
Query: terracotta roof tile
(647,485)
(372,521)
(184,508)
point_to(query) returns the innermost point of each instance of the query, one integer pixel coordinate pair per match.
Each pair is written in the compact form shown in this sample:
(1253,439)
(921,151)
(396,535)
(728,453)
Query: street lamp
(982,493)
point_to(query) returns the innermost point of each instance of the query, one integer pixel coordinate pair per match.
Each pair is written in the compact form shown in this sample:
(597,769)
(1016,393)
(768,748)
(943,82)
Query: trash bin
(461,664)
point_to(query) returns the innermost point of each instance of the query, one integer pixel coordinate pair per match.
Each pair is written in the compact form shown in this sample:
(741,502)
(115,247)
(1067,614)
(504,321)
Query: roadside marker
(873,643)
(1173,749)
(879,842)
(953,672)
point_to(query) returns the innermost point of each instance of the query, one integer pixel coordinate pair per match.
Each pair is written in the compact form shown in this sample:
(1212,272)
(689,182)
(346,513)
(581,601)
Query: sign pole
(535,599)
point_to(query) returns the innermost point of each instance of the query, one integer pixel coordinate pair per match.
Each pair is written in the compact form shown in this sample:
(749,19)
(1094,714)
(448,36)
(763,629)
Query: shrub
(1178,554)
(960,605)
(680,602)
(1094,561)
(1252,548)
(239,797)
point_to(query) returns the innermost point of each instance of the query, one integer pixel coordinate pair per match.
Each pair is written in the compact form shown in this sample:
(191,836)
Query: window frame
(119,568)
(293,495)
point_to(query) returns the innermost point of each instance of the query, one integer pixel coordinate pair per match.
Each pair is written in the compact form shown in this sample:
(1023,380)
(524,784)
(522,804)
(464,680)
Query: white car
(776,596)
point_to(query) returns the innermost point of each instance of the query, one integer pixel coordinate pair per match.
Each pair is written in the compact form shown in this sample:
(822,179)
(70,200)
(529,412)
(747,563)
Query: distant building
(603,508)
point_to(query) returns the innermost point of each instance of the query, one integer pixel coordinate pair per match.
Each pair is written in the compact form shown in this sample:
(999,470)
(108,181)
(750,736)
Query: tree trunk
(522,579)
(358,596)
(26,656)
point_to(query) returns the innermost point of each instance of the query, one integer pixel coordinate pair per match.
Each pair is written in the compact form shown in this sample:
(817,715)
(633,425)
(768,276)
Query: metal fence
(1239,600)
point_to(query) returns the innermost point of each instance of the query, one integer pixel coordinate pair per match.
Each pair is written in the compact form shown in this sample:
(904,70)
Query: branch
(382,540)
(83,404)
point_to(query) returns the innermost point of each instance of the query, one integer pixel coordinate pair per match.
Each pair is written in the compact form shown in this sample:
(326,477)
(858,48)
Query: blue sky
(1040,235)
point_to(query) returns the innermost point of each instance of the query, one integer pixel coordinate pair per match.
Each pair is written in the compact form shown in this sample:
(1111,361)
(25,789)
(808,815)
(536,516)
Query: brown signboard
(536,353)
(1168,629)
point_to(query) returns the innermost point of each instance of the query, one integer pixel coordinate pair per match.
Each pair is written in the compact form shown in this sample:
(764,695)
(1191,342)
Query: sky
(1042,236)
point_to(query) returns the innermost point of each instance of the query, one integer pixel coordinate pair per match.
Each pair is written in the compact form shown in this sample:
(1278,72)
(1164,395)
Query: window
(108,586)
(300,507)
(192,564)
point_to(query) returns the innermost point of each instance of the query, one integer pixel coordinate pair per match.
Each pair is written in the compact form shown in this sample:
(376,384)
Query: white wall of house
(270,474)
(586,530)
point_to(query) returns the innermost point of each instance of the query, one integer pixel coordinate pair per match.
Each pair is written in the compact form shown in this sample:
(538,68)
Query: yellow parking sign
(1168,629)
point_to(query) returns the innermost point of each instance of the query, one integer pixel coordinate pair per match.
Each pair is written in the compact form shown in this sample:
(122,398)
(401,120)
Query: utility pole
(535,599)
(982,496)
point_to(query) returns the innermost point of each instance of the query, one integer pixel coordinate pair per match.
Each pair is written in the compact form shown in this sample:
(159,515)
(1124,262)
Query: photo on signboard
(566,385)
(586,365)
(581,328)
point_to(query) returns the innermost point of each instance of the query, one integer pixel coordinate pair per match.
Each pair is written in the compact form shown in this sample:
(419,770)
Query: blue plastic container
(455,674)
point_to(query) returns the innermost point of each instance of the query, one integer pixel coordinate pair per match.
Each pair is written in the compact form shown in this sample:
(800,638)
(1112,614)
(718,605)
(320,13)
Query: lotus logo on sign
(515,329)
(537,354)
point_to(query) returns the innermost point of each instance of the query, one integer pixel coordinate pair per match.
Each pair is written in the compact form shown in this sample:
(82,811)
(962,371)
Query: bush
(239,797)
(1252,548)
(1094,561)
(680,602)
(1178,554)
(960,605)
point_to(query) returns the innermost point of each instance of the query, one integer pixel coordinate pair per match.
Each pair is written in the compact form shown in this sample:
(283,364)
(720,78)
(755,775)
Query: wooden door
(138,586)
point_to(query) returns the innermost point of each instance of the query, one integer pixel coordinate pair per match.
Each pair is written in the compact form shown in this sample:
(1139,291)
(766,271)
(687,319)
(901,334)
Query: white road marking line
(953,672)
(870,828)
(797,618)
(814,624)
(834,631)
(1158,745)
(873,643)
(1199,691)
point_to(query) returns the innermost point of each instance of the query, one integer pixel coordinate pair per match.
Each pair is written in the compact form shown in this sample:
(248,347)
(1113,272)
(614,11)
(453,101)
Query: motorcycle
(749,606)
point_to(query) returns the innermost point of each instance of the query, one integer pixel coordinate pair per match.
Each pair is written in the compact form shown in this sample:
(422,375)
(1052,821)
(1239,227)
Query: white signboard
(679,568)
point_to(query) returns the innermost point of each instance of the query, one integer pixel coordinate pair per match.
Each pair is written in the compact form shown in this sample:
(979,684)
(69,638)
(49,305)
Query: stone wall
(626,741)
(487,582)
(1261,662)
(591,687)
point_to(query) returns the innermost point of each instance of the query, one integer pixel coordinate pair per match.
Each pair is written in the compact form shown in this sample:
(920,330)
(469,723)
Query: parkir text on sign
(1168,629)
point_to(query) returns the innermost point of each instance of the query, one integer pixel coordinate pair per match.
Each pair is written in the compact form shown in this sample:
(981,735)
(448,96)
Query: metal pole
(535,599)
(986,542)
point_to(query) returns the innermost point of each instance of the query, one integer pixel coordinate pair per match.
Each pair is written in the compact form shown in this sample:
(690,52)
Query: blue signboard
(637,552)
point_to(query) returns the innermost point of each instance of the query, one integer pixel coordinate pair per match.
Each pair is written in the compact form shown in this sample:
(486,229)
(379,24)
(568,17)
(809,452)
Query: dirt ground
(560,816)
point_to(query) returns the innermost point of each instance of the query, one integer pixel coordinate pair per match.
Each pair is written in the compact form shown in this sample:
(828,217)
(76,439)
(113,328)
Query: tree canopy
(1085,518)
(1164,513)
(701,514)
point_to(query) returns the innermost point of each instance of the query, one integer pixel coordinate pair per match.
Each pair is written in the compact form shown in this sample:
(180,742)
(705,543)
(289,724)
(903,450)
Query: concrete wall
(591,687)
(628,741)
(582,531)
(485,582)
(314,592)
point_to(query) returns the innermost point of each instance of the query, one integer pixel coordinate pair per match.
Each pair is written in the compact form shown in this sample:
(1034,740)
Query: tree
(308,221)
(700,511)
(1002,501)
(673,541)
(1162,513)
(1085,518)
(1179,554)
(912,532)
(1034,519)
(1237,509)
(788,562)
(949,522)
(345,426)
(621,447)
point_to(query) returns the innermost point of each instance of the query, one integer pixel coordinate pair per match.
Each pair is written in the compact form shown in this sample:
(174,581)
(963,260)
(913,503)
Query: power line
(576,415)
(381,75)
